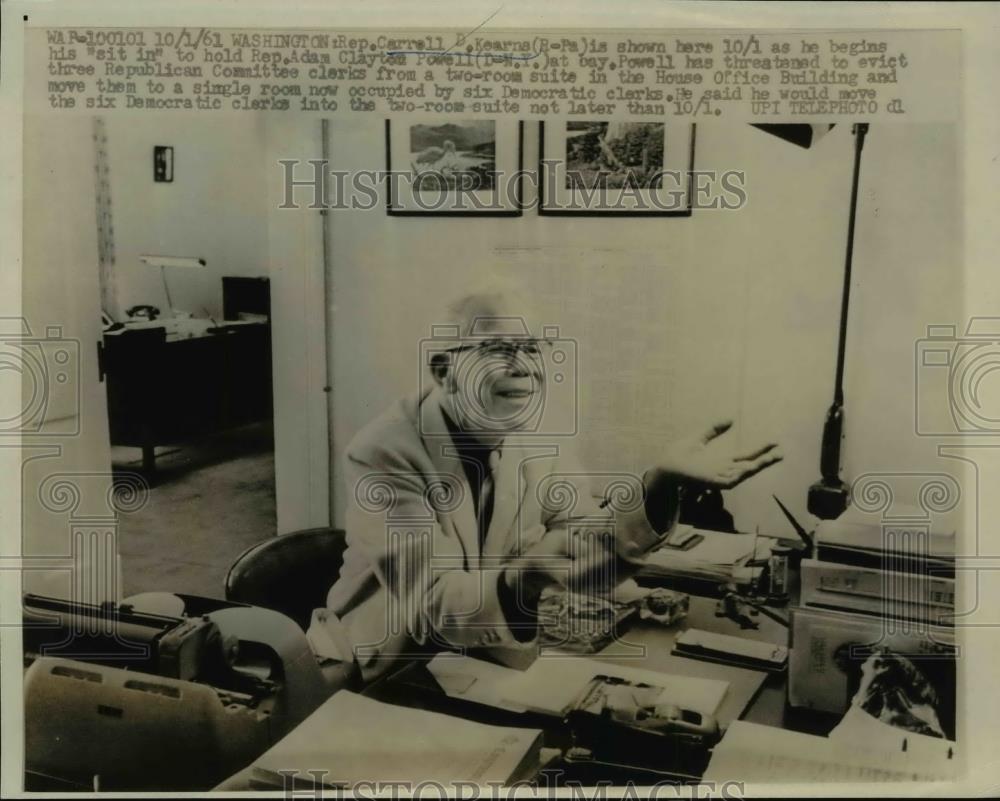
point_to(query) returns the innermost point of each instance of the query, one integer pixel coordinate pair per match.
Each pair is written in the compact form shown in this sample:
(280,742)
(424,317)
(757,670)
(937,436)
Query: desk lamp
(828,497)
(171,261)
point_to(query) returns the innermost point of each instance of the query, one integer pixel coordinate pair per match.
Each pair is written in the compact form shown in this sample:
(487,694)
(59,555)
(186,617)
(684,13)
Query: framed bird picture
(615,168)
(454,167)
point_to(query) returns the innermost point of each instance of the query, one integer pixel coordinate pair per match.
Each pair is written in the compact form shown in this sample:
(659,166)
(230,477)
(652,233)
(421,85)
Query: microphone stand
(828,497)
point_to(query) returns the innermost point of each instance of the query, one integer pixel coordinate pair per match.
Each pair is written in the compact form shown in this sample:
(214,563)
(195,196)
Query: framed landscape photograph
(616,168)
(454,167)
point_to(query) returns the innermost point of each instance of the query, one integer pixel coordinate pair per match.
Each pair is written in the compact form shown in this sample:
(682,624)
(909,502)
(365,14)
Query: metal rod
(860,129)
(166,289)
(328,297)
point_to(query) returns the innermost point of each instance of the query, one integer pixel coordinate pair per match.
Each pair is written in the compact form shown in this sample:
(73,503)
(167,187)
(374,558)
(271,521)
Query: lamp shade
(802,135)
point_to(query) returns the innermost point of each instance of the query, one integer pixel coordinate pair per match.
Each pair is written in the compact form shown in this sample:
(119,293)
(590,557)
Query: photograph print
(453,154)
(454,167)
(611,167)
(613,154)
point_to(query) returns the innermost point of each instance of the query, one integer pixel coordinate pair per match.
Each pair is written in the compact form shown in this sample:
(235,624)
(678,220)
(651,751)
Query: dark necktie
(486,492)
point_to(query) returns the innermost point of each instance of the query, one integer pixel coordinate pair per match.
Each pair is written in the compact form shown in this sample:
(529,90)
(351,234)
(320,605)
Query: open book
(352,739)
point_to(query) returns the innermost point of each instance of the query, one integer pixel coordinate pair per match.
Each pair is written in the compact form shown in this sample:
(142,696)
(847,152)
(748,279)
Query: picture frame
(615,169)
(454,168)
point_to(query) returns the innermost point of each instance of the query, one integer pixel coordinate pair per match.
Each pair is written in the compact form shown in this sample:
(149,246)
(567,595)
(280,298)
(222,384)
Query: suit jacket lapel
(439,444)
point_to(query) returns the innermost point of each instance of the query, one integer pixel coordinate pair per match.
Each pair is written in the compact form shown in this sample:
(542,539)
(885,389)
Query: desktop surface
(755,696)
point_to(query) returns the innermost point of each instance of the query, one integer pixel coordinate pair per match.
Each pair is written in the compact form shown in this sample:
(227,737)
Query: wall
(213,209)
(68,522)
(681,321)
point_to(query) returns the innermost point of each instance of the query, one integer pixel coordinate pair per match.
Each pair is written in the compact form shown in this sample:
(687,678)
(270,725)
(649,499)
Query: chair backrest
(290,573)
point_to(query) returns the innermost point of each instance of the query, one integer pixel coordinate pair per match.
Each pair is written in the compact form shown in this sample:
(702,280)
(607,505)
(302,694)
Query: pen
(803,535)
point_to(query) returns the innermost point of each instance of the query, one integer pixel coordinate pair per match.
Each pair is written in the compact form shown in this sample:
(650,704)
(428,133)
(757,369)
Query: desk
(753,696)
(171,385)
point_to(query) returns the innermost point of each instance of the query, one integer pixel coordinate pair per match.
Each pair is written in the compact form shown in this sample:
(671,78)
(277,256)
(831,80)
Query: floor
(210,501)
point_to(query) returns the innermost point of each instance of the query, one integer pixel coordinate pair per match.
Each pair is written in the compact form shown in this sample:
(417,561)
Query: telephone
(632,724)
(642,706)
(144,311)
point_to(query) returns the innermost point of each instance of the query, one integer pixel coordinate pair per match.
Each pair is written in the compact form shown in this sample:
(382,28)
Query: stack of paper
(352,739)
(717,558)
(856,529)
(553,684)
(754,753)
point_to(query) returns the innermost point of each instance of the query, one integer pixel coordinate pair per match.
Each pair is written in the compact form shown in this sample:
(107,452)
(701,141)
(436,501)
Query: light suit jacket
(413,577)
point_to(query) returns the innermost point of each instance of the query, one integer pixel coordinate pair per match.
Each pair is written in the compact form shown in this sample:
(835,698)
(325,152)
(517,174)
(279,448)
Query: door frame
(299,315)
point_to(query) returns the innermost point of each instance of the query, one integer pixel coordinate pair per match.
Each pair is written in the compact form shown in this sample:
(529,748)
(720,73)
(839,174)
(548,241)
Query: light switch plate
(163,164)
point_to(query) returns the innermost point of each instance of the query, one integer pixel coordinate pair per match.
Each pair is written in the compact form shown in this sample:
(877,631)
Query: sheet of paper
(857,726)
(353,738)
(630,592)
(752,752)
(474,680)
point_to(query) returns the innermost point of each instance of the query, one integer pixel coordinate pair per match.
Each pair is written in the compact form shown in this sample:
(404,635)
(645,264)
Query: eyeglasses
(505,347)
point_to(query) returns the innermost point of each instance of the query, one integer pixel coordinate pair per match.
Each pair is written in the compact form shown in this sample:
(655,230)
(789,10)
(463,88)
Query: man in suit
(462,509)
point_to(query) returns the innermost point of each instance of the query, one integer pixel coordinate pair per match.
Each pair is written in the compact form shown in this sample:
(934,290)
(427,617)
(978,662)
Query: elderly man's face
(496,376)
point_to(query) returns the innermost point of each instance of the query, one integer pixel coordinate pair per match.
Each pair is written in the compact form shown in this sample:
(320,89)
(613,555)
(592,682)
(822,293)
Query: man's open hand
(710,459)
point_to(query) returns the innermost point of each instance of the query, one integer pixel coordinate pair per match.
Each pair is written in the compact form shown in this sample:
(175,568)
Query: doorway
(186,343)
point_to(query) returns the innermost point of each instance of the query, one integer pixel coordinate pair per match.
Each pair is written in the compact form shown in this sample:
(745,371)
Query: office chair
(291,573)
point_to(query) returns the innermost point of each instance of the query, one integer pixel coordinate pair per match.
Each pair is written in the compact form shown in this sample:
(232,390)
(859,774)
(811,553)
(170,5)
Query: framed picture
(451,168)
(608,168)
